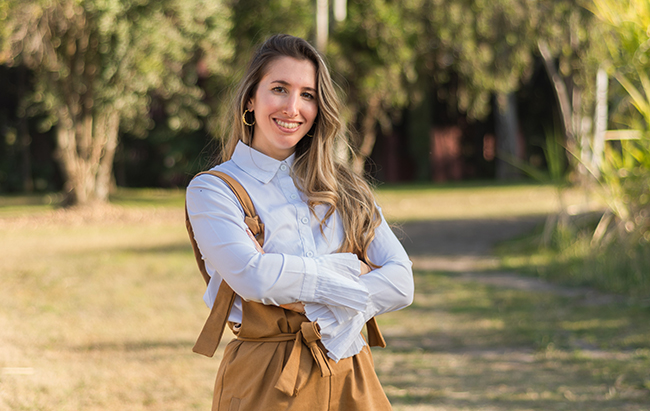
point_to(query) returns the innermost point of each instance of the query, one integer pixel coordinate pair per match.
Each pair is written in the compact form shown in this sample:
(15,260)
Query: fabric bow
(296,372)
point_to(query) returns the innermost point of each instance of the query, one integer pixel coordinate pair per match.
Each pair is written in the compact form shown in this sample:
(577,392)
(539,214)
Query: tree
(625,170)
(97,64)
(374,50)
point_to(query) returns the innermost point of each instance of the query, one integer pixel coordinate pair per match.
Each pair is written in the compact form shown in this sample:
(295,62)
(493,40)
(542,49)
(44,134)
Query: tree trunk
(507,133)
(368,135)
(86,151)
(105,169)
(600,123)
(561,93)
(420,137)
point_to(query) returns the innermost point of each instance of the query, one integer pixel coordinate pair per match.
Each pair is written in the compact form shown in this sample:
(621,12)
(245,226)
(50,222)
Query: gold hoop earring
(243,118)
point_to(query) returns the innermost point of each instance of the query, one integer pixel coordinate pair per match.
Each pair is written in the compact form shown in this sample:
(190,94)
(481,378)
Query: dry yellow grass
(98,311)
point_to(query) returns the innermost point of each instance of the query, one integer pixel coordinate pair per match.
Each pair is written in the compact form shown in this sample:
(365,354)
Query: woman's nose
(291,107)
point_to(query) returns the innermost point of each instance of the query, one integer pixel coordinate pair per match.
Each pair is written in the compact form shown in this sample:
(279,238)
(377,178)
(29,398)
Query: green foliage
(374,51)
(112,54)
(98,65)
(572,258)
(124,56)
(488,44)
(613,252)
(253,21)
(625,171)
(554,154)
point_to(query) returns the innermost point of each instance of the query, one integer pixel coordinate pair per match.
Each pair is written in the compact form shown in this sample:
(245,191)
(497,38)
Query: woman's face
(284,105)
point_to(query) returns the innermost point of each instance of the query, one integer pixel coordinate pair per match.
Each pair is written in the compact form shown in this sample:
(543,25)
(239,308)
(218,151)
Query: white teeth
(287,125)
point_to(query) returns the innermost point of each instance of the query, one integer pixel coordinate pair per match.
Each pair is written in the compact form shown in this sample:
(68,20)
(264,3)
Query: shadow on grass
(466,237)
(470,346)
(180,248)
(174,248)
(135,346)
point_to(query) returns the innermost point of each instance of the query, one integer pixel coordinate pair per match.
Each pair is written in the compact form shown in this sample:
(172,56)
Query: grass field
(99,310)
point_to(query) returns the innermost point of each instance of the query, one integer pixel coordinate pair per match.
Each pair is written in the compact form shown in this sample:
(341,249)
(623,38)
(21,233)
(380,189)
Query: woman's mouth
(287,125)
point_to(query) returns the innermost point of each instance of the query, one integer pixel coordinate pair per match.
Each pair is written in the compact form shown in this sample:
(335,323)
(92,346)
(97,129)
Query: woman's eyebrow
(285,83)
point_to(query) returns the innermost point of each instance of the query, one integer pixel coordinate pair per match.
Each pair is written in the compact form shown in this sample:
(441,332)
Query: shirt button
(304,220)
(293,196)
(283,167)
(310,254)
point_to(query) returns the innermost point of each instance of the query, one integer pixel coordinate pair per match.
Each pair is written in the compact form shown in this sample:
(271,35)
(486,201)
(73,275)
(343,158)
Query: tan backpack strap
(195,247)
(214,326)
(251,219)
(375,339)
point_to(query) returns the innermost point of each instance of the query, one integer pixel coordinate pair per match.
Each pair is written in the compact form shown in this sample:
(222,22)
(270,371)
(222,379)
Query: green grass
(468,346)
(572,259)
(100,311)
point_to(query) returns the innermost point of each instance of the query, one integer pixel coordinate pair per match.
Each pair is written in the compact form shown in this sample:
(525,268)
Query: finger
(365,268)
(297,307)
(252,237)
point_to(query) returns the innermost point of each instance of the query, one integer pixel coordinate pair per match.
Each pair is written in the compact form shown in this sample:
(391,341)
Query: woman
(329,262)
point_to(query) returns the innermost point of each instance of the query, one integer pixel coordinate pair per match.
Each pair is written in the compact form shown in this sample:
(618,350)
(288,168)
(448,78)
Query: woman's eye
(308,96)
(279,89)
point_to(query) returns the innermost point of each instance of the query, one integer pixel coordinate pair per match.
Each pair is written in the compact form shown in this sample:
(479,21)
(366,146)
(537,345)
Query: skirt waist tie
(296,371)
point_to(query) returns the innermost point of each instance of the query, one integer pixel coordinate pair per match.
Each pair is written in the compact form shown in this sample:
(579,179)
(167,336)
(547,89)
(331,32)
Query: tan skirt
(277,362)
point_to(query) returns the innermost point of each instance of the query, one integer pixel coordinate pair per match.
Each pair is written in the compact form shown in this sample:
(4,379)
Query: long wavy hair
(316,172)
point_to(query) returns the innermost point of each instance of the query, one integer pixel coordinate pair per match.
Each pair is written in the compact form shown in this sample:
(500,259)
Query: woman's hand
(365,268)
(297,307)
(252,237)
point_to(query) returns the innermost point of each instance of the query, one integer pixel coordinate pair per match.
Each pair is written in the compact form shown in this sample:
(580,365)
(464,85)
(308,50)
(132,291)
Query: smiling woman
(298,289)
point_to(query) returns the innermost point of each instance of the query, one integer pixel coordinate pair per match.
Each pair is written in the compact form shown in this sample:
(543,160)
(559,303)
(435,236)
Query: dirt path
(466,247)
(455,239)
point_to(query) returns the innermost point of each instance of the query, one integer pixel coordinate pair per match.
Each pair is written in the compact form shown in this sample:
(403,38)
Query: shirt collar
(258,165)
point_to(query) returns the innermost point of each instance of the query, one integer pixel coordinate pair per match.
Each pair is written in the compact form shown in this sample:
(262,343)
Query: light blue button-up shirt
(299,263)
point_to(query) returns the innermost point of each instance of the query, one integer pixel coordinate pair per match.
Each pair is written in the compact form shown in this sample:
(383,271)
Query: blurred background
(472,116)
(102,94)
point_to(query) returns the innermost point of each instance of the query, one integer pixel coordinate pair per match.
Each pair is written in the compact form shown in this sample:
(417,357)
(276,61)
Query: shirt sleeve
(391,288)
(391,285)
(270,278)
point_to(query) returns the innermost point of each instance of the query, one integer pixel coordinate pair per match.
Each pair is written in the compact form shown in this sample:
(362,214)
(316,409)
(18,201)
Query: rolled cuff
(341,339)
(325,286)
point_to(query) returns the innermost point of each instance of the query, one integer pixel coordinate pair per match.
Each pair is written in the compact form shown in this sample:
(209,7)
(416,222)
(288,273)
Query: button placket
(302,211)
(305,229)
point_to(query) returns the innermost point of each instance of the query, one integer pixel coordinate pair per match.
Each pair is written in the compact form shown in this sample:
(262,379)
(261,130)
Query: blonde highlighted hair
(316,172)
